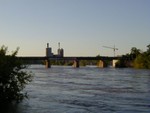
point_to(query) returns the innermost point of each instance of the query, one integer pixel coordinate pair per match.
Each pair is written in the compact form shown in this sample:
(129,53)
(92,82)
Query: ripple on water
(87,90)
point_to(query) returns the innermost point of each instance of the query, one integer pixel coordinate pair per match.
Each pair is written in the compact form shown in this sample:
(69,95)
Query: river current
(64,89)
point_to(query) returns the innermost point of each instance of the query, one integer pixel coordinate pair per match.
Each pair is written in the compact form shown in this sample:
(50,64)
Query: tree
(148,50)
(135,52)
(13,77)
(143,59)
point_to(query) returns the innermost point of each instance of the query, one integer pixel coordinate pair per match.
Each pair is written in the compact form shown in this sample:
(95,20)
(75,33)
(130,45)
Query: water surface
(87,90)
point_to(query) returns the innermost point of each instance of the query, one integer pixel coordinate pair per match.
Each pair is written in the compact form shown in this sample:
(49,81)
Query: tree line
(136,58)
(141,59)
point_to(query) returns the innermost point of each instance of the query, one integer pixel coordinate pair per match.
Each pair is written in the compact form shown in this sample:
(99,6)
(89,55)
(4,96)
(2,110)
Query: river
(64,89)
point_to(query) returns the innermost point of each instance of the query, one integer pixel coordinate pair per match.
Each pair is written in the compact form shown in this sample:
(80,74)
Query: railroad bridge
(76,60)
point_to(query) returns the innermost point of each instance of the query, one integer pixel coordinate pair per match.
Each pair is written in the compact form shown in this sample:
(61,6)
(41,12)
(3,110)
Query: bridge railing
(67,58)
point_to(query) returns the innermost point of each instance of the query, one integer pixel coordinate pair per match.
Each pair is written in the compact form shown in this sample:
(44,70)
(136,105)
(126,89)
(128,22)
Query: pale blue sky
(81,26)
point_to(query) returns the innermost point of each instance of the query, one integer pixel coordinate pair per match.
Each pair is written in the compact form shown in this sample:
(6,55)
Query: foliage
(148,50)
(136,59)
(142,61)
(13,77)
(134,52)
(120,63)
(125,61)
(70,63)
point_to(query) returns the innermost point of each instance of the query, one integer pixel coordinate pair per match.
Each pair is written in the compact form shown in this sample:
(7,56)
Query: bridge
(76,60)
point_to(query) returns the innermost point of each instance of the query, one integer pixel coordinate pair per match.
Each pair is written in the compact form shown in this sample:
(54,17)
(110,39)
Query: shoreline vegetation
(136,59)
(13,78)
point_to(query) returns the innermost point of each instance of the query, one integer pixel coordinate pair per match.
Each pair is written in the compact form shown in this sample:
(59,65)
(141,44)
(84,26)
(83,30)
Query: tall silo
(60,52)
(49,51)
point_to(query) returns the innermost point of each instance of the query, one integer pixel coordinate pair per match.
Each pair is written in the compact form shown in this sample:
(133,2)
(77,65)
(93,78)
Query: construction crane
(113,48)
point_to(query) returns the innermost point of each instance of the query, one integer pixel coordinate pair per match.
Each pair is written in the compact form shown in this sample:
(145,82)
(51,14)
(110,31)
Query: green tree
(143,59)
(135,52)
(148,50)
(13,77)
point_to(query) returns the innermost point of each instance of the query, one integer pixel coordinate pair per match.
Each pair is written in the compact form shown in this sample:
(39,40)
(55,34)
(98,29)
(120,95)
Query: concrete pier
(101,64)
(76,64)
(114,62)
(47,63)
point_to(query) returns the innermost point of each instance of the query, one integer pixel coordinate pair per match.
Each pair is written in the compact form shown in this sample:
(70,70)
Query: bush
(142,61)
(13,77)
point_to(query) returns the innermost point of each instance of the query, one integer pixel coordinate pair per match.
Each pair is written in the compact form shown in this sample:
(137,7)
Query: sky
(82,27)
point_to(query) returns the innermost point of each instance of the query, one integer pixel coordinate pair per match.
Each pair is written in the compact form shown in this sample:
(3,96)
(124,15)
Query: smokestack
(59,45)
(47,45)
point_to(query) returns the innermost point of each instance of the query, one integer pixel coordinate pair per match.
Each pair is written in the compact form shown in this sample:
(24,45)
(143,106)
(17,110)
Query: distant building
(49,51)
(60,52)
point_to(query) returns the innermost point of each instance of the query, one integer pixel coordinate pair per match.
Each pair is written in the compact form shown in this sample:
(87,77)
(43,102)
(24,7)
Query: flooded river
(64,89)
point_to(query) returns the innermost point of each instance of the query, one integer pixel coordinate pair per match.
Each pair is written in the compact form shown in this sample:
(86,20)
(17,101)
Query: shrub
(13,77)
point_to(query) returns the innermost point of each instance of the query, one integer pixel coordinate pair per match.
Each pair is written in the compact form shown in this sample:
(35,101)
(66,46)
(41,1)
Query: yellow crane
(113,48)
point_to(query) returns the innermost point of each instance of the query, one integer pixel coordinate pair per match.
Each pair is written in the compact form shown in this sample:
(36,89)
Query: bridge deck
(68,58)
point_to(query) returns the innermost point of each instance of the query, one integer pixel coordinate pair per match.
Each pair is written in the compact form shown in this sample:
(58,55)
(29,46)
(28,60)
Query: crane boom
(111,47)
(114,48)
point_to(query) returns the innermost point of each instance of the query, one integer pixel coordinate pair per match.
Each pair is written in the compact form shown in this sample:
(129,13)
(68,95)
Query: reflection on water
(86,90)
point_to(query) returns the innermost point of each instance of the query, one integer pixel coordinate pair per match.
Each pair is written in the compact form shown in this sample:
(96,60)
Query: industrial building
(60,51)
(49,51)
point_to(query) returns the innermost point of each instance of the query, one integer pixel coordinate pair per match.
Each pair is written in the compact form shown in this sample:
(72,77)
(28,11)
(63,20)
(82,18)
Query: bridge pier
(101,64)
(114,63)
(76,63)
(47,63)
